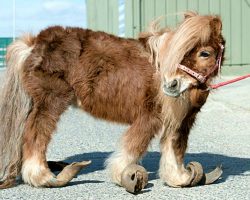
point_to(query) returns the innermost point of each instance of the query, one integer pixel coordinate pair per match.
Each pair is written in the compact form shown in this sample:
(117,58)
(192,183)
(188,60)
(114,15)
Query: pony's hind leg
(51,96)
(133,145)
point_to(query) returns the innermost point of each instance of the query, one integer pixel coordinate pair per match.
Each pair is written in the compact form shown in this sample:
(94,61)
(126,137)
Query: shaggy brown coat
(111,78)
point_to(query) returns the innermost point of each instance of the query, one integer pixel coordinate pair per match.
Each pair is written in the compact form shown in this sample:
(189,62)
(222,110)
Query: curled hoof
(134,178)
(212,176)
(56,166)
(198,177)
(196,171)
(67,174)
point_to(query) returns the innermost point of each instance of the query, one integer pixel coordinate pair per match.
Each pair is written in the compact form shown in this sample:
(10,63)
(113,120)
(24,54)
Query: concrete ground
(221,135)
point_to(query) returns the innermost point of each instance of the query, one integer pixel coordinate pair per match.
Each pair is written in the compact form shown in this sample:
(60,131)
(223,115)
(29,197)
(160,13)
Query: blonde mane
(157,37)
(169,47)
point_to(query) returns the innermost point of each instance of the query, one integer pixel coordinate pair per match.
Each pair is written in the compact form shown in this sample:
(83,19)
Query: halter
(200,77)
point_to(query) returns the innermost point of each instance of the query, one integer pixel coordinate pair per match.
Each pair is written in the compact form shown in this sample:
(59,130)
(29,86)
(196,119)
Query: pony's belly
(111,111)
(112,96)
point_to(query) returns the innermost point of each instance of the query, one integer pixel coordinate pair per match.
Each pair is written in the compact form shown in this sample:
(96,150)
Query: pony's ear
(189,14)
(217,25)
(145,35)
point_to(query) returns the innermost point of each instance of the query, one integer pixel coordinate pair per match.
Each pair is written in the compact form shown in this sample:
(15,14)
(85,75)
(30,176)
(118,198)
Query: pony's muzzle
(175,87)
(172,88)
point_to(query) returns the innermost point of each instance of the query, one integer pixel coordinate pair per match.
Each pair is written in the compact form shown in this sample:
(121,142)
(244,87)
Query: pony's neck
(177,109)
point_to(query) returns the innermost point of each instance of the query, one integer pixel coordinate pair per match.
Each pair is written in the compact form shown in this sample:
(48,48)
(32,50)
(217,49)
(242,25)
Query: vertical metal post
(14,19)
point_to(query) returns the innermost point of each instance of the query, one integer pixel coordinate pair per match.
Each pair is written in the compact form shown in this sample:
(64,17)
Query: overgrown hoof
(134,178)
(198,177)
(67,174)
(56,166)
(196,170)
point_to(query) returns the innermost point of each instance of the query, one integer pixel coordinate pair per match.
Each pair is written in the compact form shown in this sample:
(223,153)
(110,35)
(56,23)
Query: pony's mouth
(176,87)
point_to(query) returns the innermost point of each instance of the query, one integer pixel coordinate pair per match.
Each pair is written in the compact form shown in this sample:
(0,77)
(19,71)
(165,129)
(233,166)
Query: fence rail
(4,42)
(2,57)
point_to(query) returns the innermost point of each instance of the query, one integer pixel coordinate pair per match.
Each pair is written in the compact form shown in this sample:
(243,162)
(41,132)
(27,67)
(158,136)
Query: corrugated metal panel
(132,21)
(235,15)
(103,15)
(4,42)
(245,23)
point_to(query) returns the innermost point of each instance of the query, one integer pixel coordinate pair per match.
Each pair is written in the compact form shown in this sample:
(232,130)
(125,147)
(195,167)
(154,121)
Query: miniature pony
(156,83)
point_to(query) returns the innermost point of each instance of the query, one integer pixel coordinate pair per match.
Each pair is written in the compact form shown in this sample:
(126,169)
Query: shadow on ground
(232,166)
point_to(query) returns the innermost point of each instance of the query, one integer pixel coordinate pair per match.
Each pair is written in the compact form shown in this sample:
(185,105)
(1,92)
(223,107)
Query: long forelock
(191,32)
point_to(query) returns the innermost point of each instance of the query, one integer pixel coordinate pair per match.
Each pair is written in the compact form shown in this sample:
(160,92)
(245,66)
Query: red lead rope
(215,86)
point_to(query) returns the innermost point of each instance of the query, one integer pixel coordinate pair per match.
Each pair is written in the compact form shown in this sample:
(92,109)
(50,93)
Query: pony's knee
(35,173)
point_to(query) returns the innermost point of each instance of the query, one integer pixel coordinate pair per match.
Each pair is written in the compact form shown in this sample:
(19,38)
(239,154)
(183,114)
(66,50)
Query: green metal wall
(103,15)
(235,14)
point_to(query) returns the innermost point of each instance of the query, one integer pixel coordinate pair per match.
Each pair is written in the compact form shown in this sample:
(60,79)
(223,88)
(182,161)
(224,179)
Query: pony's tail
(15,106)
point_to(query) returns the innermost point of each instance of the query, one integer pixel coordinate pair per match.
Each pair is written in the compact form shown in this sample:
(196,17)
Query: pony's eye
(204,54)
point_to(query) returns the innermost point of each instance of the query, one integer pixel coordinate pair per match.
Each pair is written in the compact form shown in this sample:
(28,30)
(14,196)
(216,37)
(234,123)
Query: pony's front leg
(133,145)
(172,170)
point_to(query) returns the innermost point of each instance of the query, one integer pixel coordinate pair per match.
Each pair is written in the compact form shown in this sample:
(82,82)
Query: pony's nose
(173,84)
